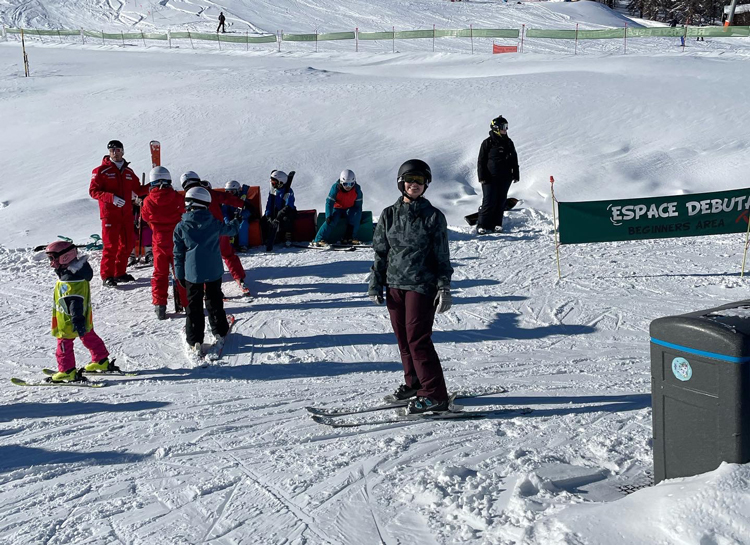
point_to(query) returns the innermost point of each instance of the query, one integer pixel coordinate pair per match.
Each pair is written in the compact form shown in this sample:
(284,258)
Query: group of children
(190,237)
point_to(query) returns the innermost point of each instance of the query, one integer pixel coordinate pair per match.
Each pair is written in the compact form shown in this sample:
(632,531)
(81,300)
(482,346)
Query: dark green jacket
(411,249)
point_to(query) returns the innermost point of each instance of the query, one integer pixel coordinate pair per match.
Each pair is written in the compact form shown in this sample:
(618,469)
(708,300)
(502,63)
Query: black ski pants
(220,27)
(494,195)
(412,315)
(196,321)
(286,225)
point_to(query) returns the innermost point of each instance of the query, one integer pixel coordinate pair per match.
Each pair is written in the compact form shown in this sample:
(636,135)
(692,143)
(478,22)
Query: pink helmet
(61,253)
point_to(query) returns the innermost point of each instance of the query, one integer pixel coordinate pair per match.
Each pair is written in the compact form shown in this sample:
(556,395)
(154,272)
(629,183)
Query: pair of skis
(333,247)
(112,371)
(215,352)
(333,417)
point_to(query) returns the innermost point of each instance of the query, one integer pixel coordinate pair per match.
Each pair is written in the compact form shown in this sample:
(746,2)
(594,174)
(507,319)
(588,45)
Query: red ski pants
(118,242)
(66,358)
(163,248)
(412,316)
(231,260)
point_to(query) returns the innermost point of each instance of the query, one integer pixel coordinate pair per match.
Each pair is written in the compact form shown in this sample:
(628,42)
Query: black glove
(79,325)
(329,221)
(248,206)
(275,223)
(376,298)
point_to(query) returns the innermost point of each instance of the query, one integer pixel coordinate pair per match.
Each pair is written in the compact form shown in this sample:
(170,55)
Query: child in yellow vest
(71,313)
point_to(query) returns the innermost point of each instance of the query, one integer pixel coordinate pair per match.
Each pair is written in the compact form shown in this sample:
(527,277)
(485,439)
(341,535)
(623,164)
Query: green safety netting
(150,36)
(492,33)
(375,35)
(413,34)
(299,37)
(330,36)
(606,34)
(553,34)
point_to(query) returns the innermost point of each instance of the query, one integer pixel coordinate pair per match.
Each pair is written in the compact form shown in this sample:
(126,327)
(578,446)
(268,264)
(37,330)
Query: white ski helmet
(347,179)
(280,175)
(206,184)
(159,177)
(234,185)
(197,197)
(189,179)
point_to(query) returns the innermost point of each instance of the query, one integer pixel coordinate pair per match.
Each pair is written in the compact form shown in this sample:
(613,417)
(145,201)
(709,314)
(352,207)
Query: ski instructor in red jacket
(115,185)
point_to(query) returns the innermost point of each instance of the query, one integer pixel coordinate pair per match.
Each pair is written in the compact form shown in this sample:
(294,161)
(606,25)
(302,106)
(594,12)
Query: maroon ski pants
(66,358)
(412,316)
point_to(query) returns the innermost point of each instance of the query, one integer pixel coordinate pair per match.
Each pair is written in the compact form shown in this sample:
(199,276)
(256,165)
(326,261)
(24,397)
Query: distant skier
(412,262)
(497,168)
(189,180)
(221,23)
(280,210)
(71,313)
(197,262)
(115,185)
(344,202)
(162,210)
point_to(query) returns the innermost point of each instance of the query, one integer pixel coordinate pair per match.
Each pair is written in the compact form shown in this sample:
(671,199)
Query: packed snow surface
(229,454)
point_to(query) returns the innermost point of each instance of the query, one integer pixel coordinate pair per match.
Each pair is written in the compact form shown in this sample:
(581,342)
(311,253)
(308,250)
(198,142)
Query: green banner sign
(693,215)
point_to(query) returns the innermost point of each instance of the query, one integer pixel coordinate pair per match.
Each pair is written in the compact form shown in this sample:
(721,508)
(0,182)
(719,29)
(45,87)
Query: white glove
(118,202)
(443,300)
(376,299)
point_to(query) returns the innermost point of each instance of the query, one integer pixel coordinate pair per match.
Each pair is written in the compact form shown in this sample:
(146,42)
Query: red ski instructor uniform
(162,210)
(118,237)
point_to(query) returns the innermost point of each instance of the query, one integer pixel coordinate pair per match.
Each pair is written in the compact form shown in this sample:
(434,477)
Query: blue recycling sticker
(681,369)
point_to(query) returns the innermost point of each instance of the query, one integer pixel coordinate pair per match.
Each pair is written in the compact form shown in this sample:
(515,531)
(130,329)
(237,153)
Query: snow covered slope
(228,454)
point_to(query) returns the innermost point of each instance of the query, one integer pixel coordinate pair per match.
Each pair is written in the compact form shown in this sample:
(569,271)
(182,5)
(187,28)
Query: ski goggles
(501,127)
(347,185)
(160,184)
(277,183)
(419,179)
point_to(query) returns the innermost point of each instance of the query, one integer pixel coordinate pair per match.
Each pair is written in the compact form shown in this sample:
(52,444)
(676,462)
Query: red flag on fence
(504,48)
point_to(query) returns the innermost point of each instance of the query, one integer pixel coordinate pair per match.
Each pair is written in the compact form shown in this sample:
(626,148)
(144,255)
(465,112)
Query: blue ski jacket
(197,257)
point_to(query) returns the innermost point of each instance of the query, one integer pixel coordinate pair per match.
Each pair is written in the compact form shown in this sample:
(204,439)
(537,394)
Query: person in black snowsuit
(221,23)
(497,168)
(412,264)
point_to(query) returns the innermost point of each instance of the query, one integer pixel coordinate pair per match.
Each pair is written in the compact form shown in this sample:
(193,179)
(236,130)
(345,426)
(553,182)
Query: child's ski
(50,372)
(327,248)
(78,383)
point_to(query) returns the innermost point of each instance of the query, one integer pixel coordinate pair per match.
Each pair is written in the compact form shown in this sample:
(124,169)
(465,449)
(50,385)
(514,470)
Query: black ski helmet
(112,144)
(414,166)
(498,124)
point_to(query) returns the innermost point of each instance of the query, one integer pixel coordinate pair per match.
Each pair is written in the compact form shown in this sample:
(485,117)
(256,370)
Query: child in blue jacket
(344,203)
(197,263)
(280,209)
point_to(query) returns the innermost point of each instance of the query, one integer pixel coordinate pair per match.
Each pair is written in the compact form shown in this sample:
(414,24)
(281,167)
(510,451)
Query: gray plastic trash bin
(700,385)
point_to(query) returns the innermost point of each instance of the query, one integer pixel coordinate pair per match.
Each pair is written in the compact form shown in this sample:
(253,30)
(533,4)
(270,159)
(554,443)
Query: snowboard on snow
(510,204)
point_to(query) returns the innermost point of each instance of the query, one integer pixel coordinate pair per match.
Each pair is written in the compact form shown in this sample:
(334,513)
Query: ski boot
(74,375)
(498,228)
(481,231)
(422,405)
(101,366)
(125,278)
(161,311)
(109,282)
(288,239)
(403,392)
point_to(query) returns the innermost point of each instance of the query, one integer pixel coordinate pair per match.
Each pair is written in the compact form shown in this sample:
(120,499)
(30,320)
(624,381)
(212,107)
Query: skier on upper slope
(162,210)
(497,168)
(344,202)
(412,261)
(71,313)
